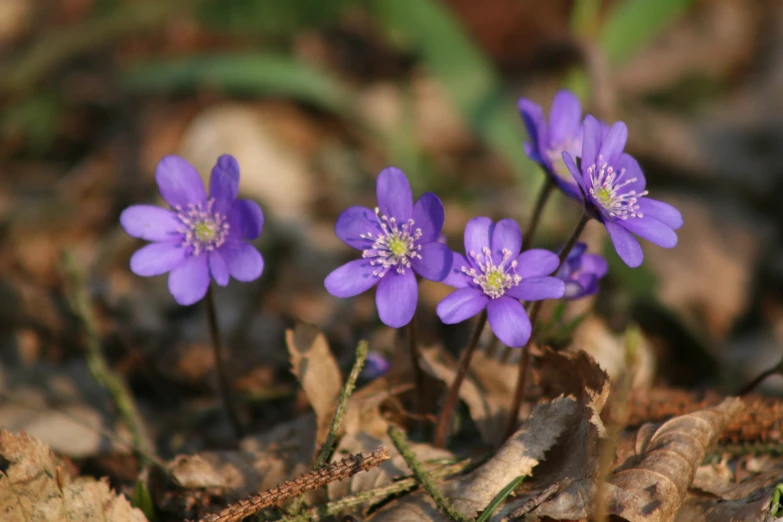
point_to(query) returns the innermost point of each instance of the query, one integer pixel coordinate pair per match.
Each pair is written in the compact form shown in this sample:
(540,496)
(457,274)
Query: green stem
(444,419)
(220,368)
(401,443)
(538,209)
(524,361)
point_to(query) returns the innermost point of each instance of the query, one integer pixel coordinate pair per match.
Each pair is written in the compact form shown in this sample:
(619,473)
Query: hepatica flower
(580,272)
(548,140)
(397,240)
(613,187)
(494,275)
(202,237)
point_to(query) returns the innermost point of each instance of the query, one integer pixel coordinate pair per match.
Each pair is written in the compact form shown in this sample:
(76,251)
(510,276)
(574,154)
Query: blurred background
(314,98)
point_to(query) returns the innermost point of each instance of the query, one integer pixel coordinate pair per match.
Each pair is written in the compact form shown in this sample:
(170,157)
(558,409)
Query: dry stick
(418,373)
(373,496)
(220,367)
(524,361)
(347,467)
(775,370)
(345,394)
(401,443)
(99,367)
(444,419)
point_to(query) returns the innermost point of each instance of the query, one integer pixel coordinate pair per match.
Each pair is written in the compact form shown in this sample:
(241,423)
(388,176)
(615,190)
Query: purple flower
(375,366)
(496,276)
(580,272)
(202,236)
(613,188)
(548,141)
(396,240)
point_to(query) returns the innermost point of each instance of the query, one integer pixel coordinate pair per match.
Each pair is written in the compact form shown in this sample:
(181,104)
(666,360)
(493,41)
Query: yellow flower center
(205,231)
(397,246)
(495,280)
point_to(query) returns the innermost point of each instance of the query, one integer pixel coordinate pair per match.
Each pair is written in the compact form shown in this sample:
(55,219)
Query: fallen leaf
(316,370)
(34,487)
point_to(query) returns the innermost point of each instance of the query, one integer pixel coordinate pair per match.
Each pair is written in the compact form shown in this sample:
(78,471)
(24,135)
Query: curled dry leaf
(316,370)
(518,456)
(35,488)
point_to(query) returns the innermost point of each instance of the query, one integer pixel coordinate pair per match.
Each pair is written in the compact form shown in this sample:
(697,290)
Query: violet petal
(150,223)
(218,268)
(351,279)
(188,283)
(251,218)
(594,264)
(461,304)
(396,298)
(478,235)
(394,195)
(428,216)
(537,289)
(575,173)
(506,235)
(352,223)
(508,321)
(590,143)
(243,261)
(652,230)
(435,261)
(614,143)
(536,262)
(626,246)
(157,258)
(456,277)
(663,212)
(224,183)
(565,116)
(632,170)
(179,183)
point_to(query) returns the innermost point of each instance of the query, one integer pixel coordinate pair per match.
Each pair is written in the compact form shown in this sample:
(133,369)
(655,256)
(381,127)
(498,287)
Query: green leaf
(269,17)
(469,78)
(254,73)
(142,499)
(633,23)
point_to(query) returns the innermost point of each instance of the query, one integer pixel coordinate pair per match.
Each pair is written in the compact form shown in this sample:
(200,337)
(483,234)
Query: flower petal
(591,142)
(589,284)
(626,246)
(351,279)
(461,304)
(565,117)
(428,216)
(352,223)
(243,261)
(178,182)
(537,289)
(573,290)
(396,298)
(652,230)
(224,183)
(536,262)
(393,191)
(188,283)
(157,258)
(150,223)
(506,236)
(533,117)
(478,235)
(575,173)
(663,212)
(218,268)
(435,262)
(456,277)
(632,170)
(594,264)
(250,218)
(509,321)
(614,143)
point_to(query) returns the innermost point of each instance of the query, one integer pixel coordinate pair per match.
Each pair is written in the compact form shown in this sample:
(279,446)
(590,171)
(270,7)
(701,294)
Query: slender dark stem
(444,419)
(217,350)
(775,370)
(538,209)
(418,373)
(524,361)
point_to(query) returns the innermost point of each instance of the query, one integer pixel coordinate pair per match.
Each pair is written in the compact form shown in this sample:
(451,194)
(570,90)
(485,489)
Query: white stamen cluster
(203,229)
(394,246)
(494,280)
(605,184)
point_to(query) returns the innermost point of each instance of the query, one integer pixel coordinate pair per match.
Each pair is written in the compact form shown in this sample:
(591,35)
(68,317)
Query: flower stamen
(203,229)
(606,186)
(494,279)
(394,246)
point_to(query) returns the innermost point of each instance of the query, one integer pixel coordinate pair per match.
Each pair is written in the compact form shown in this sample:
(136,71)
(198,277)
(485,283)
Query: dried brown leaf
(518,456)
(314,366)
(35,488)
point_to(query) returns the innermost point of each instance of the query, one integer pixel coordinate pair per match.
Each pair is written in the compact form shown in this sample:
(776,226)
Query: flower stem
(418,373)
(524,361)
(775,370)
(444,419)
(217,350)
(538,209)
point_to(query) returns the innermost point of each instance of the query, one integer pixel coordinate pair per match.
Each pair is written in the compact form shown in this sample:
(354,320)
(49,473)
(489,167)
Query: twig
(335,471)
(99,368)
(775,370)
(374,496)
(401,443)
(499,498)
(444,419)
(345,394)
